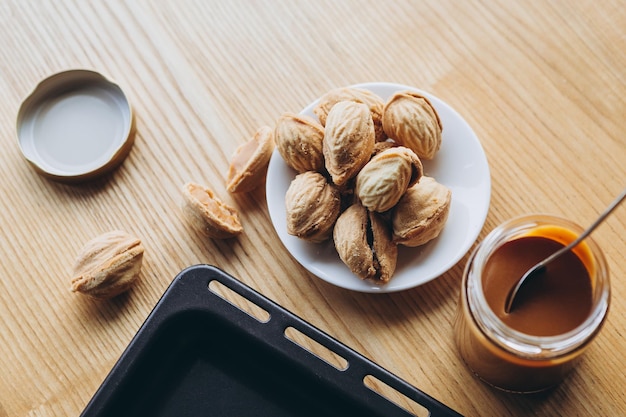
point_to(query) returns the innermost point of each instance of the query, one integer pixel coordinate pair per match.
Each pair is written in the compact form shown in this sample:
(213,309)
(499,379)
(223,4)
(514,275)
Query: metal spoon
(541,266)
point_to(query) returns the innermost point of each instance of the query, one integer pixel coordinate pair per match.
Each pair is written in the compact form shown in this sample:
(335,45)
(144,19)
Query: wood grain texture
(542,83)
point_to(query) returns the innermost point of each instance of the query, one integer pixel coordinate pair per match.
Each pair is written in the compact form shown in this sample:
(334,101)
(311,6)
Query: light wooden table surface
(542,83)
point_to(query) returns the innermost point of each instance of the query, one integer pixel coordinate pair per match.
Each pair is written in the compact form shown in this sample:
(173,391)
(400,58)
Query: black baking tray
(198,354)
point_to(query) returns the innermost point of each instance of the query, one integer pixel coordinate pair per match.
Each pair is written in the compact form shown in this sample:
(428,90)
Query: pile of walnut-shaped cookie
(360,178)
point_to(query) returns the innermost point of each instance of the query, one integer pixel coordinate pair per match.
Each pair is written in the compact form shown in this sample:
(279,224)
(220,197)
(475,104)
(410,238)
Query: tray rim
(182,295)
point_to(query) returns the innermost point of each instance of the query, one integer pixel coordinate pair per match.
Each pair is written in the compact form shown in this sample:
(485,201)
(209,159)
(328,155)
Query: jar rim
(515,341)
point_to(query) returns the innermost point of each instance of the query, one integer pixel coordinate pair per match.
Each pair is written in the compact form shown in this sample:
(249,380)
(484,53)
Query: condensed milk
(556,315)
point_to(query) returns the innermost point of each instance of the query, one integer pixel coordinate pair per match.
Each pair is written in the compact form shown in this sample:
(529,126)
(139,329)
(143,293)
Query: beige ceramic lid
(76,125)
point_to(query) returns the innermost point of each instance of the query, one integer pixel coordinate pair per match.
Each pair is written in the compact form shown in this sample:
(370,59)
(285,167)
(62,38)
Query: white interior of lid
(75,130)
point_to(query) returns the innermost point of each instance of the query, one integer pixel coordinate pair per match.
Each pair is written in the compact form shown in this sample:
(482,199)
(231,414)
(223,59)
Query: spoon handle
(587,232)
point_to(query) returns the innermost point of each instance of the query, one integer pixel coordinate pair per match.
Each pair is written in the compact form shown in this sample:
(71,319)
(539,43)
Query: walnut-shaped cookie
(363,241)
(348,140)
(360,95)
(385,178)
(411,120)
(248,165)
(299,141)
(312,205)
(421,213)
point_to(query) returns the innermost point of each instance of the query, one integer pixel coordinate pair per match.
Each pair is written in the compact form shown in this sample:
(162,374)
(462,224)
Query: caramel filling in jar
(556,315)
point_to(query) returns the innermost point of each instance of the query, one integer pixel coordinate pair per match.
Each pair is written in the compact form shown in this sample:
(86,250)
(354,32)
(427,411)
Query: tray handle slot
(315,348)
(395,396)
(237,300)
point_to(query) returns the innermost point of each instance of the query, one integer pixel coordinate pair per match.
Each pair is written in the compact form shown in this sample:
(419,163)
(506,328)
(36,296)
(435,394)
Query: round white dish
(460,164)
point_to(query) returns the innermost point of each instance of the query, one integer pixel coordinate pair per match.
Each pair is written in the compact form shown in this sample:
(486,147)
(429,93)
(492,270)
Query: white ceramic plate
(460,164)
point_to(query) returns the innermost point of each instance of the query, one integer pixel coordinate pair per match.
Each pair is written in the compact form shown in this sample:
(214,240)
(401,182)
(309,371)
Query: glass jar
(509,359)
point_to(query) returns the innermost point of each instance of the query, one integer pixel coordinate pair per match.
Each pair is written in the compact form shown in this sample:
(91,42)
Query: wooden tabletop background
(542,83)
